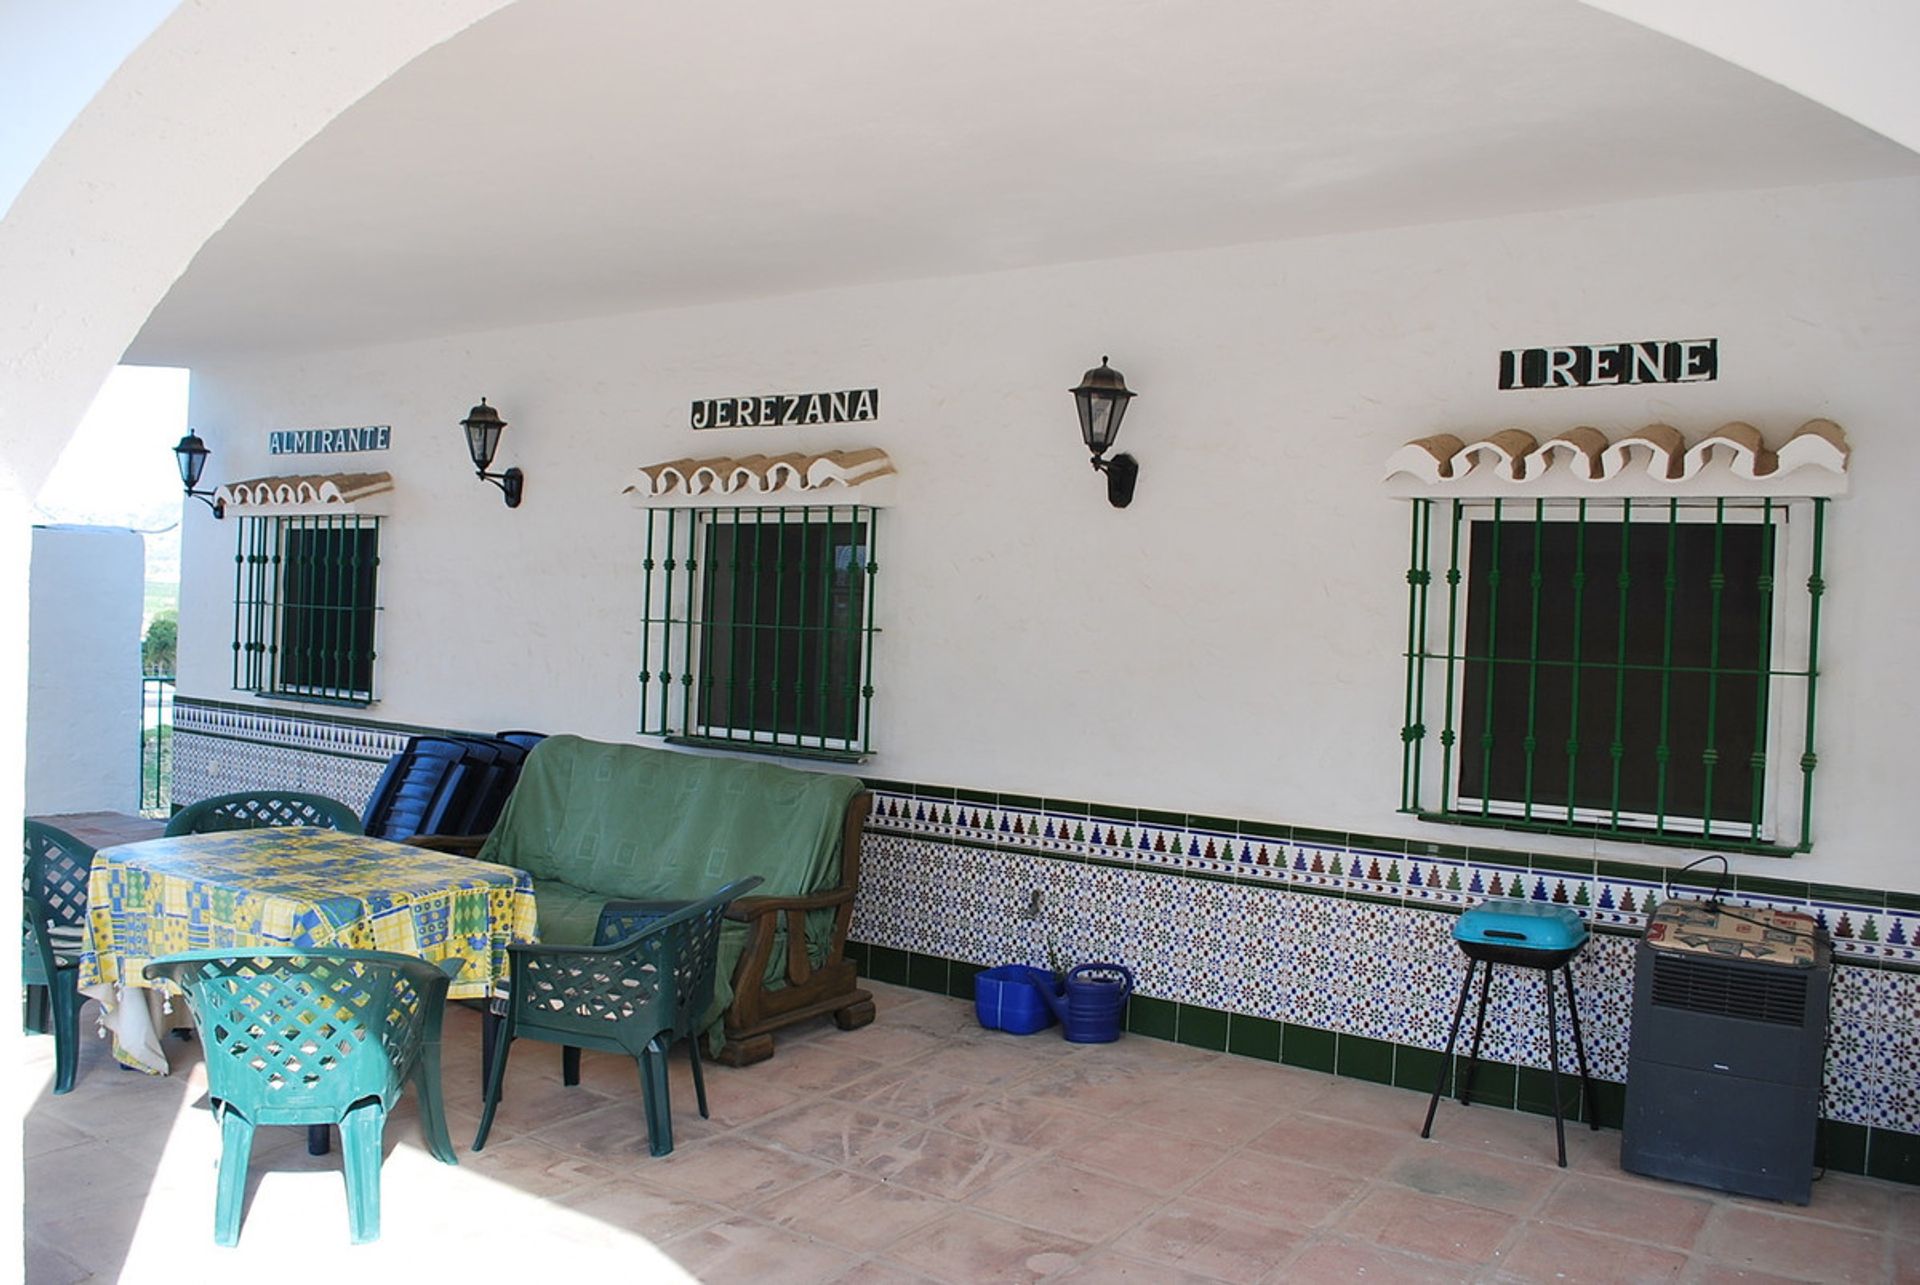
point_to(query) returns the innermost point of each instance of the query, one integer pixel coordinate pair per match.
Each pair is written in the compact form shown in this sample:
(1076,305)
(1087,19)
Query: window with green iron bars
(304,607)
(1630,668)
(759,628)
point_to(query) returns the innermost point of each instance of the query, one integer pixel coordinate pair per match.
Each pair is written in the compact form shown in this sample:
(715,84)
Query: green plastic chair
(636,996)
(301,1037)
(53,889)
(261,810)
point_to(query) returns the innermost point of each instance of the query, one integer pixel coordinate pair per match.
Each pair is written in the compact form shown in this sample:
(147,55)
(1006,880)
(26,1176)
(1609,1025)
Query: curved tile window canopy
(1654,460)
(751,477)
(304,494)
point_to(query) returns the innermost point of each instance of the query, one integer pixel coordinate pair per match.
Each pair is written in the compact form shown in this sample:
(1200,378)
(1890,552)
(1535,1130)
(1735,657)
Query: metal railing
(156,743)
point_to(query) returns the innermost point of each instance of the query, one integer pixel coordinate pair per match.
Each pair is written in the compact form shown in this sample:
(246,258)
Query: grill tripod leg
(1553,1061)
(1479,1029)
(1453,1034)
(1580,1053)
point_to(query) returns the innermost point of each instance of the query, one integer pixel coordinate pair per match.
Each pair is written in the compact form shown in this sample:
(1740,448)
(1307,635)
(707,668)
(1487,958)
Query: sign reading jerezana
(776,409)
(329,441)
(1650,361)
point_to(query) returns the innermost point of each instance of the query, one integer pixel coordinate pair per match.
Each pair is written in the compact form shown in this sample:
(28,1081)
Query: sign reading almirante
(329,441)
(776,409)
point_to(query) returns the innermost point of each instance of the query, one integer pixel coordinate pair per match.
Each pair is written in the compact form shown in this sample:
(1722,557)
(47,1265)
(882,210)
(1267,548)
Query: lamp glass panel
(1100,419)
(192,459)
(483,439)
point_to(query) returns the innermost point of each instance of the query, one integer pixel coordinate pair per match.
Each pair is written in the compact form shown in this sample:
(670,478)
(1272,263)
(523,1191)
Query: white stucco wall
(1231,644)
(83,656)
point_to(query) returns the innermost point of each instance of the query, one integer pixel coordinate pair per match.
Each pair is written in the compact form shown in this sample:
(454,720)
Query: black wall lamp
(190,453)
(483,425)
(1102,399)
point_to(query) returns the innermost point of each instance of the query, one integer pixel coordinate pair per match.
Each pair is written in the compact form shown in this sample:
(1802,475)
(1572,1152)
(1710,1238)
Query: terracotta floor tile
(1664,1215)
(1474,1178)
(990,1059)
(732,1170)
(1336,1144)
(633,1206)
(942,1164)
(1216,1118)
(1563,1254)
(1016,1119)
(1156,1159)
(532,1166)
(1328,1258)
(968,1248)
(742,1249)
(1106,1265)
(1704,1272)
(916,1089)
(1843,1199)
(1275,1189)
(887,1042)
(1383,1106)
(1196,1236)
(46,1265)
(1058,1197)
(851,1210)
(1524,1136)
(818,1067)
(879,1271)
(836,1132)
(1428,1226)
(1288,1087)
(1792,1246)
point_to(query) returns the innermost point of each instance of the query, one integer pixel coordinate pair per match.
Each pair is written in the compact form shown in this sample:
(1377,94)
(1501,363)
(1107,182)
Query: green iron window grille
(1633,668)
(759,626)
(304,606)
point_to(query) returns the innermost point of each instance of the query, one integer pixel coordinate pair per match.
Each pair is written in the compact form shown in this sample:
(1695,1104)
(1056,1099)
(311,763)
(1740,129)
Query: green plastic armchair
(299,1037)
(636,995)
(263,809)
(53,921)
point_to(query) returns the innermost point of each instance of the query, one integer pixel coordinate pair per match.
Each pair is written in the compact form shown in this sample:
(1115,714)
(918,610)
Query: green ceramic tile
(857,952)
(1846,896)
(927,973)
(1266,830)
(1533,1091)
(1894,1156)
(1163,820)
(1114,812)
(1360,1058)
(1320,838)
(1215,825)
(1437,851)
(1416,1068)
(879,784)
(1761,886)
(1253,1037)
(1609,1103)
(1065,807)
(1843,1147)
(1562,865)
(1625,870)
(1493,1082)
(1903,901)
(944,793)
(1307,1046)
(960,978)
(1031,802)
(1154,1018)
(1202,1027)
(887,965)
(1377,843)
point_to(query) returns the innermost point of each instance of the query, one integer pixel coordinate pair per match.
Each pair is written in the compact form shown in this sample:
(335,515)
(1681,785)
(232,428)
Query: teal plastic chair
(261,810)
(636,996)
(299,1037)
(53,890)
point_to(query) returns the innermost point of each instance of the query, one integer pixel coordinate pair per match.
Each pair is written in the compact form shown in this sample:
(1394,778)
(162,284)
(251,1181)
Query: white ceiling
(579,157)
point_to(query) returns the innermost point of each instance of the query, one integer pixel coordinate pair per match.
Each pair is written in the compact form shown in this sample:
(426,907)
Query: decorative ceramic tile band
(221,748)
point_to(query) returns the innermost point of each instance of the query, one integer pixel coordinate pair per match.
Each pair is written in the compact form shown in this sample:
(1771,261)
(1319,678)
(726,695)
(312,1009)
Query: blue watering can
(1096,995)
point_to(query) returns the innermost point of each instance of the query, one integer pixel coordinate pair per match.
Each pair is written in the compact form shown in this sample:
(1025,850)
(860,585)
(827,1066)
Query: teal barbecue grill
(1523,934)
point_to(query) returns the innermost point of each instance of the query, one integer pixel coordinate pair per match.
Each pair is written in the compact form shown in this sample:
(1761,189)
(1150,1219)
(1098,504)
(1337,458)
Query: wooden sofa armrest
(460,845)
(746,909)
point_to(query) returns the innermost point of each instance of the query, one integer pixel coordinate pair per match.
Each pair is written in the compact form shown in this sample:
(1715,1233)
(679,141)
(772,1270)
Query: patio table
(293,886)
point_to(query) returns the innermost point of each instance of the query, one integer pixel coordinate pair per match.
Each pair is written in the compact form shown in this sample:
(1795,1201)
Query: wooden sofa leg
(745,1051)
(853,1016)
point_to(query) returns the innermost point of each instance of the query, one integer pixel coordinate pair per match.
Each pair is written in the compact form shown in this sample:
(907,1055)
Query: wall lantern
(190,453)
(483,425)
(1102,399)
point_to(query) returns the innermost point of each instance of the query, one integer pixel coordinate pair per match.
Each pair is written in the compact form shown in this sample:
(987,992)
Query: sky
(119,470)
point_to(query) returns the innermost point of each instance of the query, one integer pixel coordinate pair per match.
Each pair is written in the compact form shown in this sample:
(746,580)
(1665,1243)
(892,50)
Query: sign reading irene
(777,409)
(329,441)
(1651,361)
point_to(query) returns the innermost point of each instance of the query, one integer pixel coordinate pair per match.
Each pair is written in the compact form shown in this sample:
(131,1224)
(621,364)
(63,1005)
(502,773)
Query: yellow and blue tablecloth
(299,887)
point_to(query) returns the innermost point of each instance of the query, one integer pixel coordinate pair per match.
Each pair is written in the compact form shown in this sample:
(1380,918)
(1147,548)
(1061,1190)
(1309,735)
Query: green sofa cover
(592,821)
